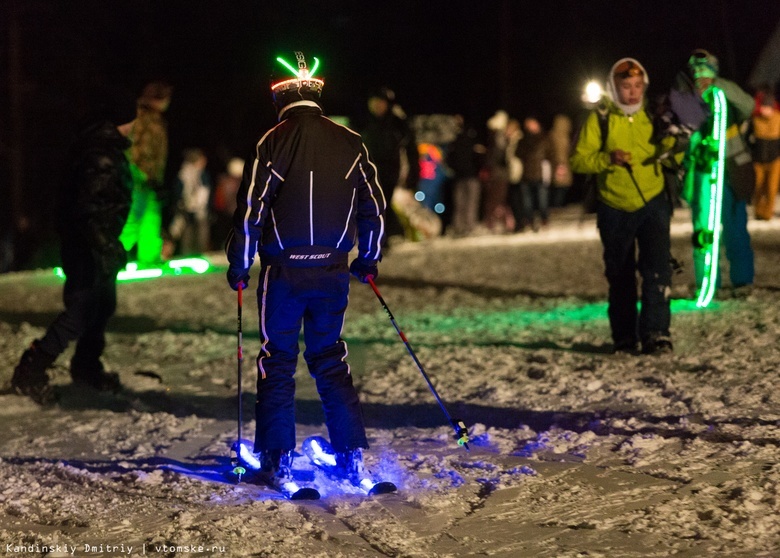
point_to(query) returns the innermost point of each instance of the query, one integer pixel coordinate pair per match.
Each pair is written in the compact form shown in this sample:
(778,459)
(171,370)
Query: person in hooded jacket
(94,204)
(309,195)
(632,210)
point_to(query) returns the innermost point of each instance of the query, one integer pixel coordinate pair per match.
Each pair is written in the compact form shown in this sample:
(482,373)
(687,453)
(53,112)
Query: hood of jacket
(612,87)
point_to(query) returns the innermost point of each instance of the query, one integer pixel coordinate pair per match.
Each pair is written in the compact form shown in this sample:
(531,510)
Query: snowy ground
(575,452)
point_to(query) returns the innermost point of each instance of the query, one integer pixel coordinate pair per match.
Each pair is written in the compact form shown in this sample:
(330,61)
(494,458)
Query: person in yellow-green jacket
(632,209)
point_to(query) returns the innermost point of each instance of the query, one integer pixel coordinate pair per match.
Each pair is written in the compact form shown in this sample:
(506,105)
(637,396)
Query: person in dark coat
(535,152)
(463,160)
(94,204)
(309,195)
(393,145)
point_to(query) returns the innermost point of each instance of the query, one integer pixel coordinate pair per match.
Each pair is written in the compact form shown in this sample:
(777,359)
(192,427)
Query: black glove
(236,278)
(363,269)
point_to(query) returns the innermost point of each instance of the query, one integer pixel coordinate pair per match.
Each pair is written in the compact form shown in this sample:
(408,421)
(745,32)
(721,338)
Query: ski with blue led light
(247,466)
(291,489)
(321,454)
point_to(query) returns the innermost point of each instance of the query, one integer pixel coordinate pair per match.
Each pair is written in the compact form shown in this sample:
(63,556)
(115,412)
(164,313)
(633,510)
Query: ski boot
(349,464)
(275,465)
(30,376)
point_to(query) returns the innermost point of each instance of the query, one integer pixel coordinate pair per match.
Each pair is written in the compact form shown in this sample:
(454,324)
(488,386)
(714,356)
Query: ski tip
(306,493)
(383,487)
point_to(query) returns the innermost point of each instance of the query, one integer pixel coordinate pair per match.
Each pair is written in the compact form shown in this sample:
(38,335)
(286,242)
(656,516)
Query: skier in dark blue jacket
(309,194)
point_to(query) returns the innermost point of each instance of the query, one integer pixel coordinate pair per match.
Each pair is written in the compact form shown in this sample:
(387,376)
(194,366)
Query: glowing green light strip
(710,281)
(287,65)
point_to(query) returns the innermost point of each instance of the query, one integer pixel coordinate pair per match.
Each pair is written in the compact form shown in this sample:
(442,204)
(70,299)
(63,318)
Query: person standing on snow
(94,204)
(687,103)
(392,142)
(148,157)
(766,152)
(190,227)
(534,151)
(632,210)
(560,151)
(308,195)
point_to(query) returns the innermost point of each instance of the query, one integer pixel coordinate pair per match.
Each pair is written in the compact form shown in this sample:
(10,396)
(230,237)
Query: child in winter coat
(632,210)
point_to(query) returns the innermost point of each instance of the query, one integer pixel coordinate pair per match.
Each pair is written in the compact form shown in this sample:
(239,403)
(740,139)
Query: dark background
(526,57)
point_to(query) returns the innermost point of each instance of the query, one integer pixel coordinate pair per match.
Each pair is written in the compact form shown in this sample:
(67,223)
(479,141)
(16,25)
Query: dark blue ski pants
(316,299)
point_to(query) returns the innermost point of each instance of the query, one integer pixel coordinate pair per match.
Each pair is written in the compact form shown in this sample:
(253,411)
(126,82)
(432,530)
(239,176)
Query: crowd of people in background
(441,174)
(445,175)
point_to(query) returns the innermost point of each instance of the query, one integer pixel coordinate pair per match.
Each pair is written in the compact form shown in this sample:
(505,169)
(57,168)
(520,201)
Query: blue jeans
(315,298)
(621,234)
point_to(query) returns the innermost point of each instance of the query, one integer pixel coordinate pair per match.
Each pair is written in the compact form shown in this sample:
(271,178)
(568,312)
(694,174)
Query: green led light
(287,65)
(198,265)
(131,275)
(710,280)
(300,73)
(132,272)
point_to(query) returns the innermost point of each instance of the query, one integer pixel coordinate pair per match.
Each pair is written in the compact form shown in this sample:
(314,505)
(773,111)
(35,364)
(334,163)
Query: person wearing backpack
(632,210)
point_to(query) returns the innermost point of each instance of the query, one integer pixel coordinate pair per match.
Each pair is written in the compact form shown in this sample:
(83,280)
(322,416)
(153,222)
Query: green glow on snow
(132,272)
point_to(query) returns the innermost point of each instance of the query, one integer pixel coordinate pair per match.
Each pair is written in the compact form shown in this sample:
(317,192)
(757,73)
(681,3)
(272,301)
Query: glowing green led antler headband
(301,72)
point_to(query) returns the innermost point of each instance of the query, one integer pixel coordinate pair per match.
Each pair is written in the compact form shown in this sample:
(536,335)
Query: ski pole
(238,469)
(461,432)
(677,267)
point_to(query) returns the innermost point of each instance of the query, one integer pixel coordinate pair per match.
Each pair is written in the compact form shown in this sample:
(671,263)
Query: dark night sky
(439,56)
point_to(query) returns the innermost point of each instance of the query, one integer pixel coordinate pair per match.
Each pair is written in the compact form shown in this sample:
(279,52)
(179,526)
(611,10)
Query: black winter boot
(30,376)
(94,375)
